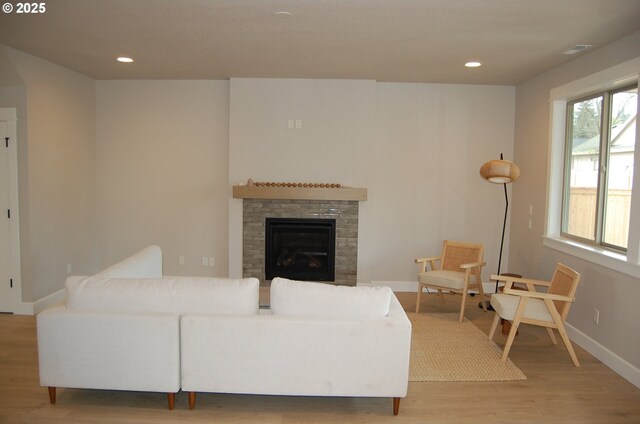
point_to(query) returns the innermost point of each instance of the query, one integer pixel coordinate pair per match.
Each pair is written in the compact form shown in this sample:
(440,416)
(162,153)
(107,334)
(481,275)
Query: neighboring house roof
(623,139)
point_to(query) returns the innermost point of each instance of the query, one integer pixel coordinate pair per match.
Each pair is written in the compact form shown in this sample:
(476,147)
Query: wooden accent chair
(529,306)
(460,267)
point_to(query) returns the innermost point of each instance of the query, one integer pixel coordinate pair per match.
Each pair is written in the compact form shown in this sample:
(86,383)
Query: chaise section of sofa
(109,350)
(317,340)
(124,333)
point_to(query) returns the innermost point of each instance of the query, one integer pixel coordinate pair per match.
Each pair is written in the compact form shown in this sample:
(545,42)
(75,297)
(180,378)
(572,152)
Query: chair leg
(514,327)
(192,399)
(496,319)
(481,290)
(510,338)
(396,405)
(441,296)
(563,333)
(553,337)
(567,343)
(462,305)
(52,395)
(418,298)
(171,398)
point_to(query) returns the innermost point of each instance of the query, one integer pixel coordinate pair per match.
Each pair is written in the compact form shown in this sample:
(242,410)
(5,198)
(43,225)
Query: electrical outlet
(212,261)
(180,260)
(596,316)
(205,261)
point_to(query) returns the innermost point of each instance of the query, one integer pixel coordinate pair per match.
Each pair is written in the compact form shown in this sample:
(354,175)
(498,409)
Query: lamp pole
(513,174)
(504,226)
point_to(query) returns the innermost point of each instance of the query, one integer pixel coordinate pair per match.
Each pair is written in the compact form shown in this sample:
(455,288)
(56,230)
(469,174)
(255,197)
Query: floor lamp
(500,172)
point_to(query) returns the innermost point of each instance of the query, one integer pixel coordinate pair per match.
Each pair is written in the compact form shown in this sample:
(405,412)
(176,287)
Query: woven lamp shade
(500,171)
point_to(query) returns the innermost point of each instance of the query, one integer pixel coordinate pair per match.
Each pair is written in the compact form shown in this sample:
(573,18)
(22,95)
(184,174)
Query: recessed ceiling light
(473,64)
(124,59)
(578,48)
(283,13)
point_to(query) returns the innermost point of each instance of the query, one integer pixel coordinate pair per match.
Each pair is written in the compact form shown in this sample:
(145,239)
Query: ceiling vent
(578,48)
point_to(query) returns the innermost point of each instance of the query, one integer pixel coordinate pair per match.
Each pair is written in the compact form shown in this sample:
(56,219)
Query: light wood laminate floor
(554,392)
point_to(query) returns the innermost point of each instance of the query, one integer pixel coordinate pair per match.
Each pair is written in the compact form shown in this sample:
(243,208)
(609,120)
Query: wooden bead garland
(305,185)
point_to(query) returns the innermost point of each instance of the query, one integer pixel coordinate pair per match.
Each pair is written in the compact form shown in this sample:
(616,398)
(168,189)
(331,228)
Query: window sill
(606,258)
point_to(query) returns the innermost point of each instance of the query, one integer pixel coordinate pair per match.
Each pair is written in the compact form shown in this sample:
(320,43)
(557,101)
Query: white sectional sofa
(129,328)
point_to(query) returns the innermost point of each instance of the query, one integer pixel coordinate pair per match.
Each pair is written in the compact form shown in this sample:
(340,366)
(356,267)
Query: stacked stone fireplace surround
(255,212)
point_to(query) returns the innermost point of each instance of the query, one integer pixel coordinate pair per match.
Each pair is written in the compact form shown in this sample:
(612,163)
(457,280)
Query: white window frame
(616,77)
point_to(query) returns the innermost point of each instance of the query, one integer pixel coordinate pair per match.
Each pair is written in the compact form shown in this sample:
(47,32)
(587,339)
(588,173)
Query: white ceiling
(383,40)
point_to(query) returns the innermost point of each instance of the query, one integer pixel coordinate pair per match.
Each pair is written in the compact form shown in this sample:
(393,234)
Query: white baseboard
(33,308)
(412,286)
(396,286)
(24,308)
(626,370)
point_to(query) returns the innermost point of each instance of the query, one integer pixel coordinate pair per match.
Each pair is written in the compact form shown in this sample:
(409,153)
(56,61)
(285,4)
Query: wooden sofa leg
(396,405)
(192,400)
(171,397)
(52,395)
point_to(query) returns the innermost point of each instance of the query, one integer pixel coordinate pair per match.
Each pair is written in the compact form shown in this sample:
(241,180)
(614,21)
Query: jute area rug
(443,349)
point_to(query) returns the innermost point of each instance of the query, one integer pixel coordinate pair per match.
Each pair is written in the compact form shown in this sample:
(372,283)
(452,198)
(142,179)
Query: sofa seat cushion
(304,298)
(178,295)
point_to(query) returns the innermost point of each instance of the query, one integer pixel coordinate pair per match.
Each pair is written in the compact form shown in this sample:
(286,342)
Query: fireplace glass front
(300,249)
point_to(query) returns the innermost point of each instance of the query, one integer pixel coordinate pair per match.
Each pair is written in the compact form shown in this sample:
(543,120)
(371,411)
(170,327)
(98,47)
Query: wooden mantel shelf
(299,193)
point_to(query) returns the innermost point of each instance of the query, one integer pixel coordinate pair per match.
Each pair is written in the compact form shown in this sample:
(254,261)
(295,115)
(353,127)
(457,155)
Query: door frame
(9,116)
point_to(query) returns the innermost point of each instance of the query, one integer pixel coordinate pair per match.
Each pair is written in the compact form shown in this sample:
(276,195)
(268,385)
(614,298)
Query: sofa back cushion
(179,295)
(304,298)
(146,263)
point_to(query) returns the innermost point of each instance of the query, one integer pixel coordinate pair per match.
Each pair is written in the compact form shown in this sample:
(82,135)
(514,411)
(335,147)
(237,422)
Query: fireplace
(300,248)
(345,213)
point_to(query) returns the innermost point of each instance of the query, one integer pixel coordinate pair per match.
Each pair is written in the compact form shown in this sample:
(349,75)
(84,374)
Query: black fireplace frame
(311,224)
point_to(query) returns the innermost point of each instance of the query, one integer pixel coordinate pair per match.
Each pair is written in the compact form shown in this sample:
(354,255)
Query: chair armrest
(429,259)
(539,295)
(432,262)
(521,280)
(473,265)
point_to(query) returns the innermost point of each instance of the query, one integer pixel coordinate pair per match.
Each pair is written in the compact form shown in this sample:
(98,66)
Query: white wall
(613,293)
(331,146)
(56,155)
(162,172)
(417,148)
(431,140)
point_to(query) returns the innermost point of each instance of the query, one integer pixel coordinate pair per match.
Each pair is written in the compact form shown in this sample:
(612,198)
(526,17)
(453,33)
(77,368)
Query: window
(559,233)
(598,167)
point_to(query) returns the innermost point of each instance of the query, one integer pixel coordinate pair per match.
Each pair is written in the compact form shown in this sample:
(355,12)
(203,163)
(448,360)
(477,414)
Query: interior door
(6,294)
